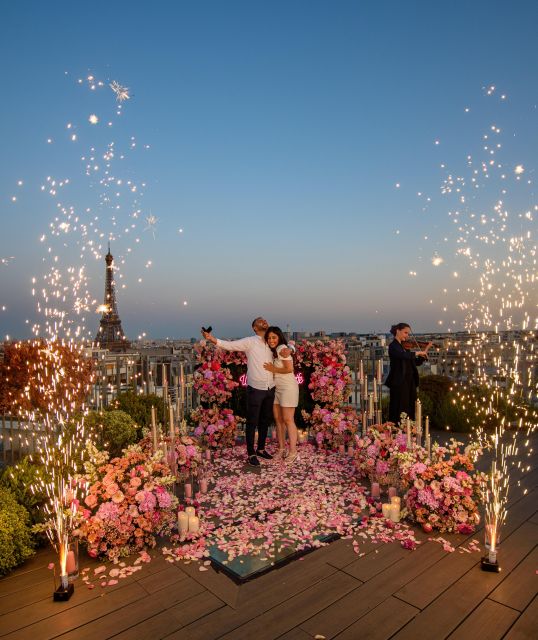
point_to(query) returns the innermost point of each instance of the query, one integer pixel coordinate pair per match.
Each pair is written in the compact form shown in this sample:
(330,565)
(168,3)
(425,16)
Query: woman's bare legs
(288,419)
(280,429)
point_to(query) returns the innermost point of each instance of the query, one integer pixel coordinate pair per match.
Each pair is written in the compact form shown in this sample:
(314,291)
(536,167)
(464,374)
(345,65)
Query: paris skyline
(291,161)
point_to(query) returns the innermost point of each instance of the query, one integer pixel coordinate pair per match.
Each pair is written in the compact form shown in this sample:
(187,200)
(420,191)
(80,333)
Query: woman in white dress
(286,393)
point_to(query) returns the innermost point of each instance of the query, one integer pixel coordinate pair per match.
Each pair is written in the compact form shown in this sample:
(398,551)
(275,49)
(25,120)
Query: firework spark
(122,93)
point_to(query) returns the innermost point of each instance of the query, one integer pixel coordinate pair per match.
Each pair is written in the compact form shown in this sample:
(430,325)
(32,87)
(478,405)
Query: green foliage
(19,478)
(139,408)
(445,409)
(115,430)
(16,543)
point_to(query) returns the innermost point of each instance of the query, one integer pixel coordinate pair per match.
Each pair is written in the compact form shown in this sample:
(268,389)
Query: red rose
(215,366)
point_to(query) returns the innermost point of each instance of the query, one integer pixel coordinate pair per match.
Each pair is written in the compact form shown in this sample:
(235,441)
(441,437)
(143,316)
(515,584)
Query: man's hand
(268,366)
(208,336)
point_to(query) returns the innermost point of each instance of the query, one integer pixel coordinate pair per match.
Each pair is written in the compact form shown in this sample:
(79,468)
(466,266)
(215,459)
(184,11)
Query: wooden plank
(67,619)
(526,625)
(520,587)
(262,594)
(380,623)
(195,608)
(160,580)
(423,590)
(158,626)
(296,634)
(338,554)
(166,623)
(456,603)
(343,613)
(382,557)
(273,588)
(214,624)
(215,581)
(295,610)
(126,617)
(489,621)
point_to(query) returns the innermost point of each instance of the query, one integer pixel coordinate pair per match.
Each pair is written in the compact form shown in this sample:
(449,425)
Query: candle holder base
(492,567)
(62,594)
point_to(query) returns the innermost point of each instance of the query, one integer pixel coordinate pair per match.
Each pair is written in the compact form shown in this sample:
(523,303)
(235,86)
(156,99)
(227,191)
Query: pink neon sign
(298,376)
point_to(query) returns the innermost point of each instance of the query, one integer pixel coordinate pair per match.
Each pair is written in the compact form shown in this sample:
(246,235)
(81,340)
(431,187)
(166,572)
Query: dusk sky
(280,158)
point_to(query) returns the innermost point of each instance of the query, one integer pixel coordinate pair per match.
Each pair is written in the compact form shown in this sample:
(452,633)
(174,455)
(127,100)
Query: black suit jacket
(397,355)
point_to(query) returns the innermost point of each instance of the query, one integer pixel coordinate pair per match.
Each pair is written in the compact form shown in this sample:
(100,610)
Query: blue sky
(277,133)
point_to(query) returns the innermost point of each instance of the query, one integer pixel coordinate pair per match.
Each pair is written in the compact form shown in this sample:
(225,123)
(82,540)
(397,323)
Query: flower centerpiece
(127,504)
(445,494)
(333,426)
(332,422)
(213,382)
(216,426)
(382,455)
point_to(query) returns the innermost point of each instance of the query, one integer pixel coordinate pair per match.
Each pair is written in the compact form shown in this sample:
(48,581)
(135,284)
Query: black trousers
(402,399)
(259,414)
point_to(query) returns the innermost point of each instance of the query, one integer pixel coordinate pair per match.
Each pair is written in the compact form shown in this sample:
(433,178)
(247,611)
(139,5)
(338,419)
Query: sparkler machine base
(492,567)
(62,594)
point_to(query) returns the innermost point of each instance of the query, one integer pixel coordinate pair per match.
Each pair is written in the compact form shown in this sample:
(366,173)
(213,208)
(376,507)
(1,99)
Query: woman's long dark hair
(281,338)
(395,327)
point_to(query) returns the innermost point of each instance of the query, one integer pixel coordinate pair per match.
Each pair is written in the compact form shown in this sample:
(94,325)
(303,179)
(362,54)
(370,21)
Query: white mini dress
(286,387)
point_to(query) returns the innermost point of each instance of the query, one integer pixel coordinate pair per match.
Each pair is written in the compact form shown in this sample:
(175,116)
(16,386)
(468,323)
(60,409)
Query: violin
(409,345)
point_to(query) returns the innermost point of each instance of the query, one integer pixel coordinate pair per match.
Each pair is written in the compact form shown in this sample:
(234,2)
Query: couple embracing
(272,390)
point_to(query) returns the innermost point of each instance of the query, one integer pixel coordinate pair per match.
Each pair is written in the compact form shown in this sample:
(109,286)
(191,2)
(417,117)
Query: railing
(17,439)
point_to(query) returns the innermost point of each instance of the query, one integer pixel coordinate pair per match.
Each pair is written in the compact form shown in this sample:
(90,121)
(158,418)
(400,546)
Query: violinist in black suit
(403,375)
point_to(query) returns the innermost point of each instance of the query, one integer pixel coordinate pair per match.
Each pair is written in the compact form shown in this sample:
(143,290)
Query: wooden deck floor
(387,593)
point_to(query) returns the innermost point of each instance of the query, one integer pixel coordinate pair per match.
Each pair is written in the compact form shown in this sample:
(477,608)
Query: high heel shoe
(292,457)
(280,454)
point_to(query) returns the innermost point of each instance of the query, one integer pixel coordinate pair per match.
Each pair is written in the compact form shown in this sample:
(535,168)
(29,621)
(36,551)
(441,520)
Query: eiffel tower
(110,334)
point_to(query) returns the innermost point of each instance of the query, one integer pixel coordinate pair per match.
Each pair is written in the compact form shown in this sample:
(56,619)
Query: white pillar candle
(154,428)
(380,371)
(428,444)
(427,427)
(364,423)
(171,419)
(361,370)
(365,387)
(396,500)
(182,374)
(374,389)
(190,511)
(341,448)
(386,510)
(182,522)
(392,492)
(408,433)
(395,512)
(371,405)
(203,485)
(350,450)
(188,490)
(375,490)
(194,524)
(208,454)
(418,415)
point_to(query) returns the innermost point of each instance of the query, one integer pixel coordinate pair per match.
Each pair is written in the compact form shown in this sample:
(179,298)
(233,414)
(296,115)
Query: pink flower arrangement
(127,504)
(333,425)
(382,454)
(446,493)
(213,382)
(312,354)
(215,427)
(329,382)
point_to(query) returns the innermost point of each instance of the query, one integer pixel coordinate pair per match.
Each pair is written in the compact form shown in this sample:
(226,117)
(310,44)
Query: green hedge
(115,430)
(16,542)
